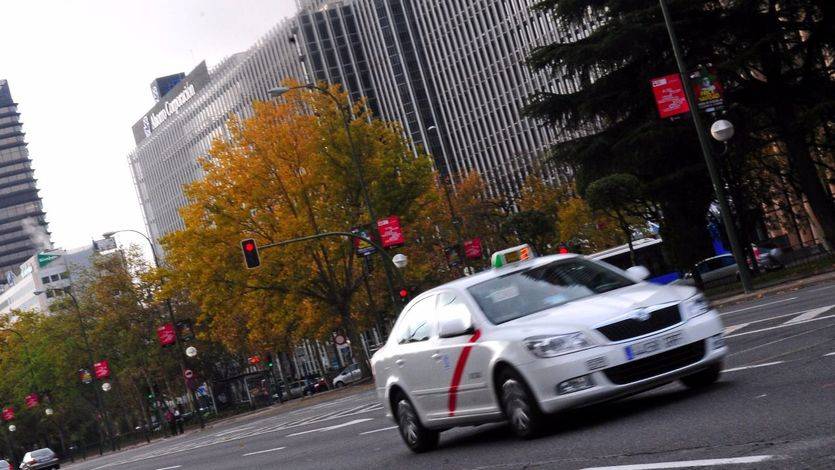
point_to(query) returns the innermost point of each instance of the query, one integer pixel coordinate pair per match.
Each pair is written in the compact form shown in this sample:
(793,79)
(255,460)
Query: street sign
(46,258)
(189,374)
(101,369)
(669,96)
(391,234)
(339,340)
(8,414)
(31,400)
(166,334)
(85,376)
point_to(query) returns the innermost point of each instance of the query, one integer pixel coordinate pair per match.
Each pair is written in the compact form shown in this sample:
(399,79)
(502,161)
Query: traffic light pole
(724,209)
(383,253)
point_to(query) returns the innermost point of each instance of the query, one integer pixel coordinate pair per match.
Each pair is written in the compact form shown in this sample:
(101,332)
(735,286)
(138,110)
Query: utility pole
(719,189)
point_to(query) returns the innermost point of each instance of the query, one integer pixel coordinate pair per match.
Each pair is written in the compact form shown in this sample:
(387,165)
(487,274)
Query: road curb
(775,289)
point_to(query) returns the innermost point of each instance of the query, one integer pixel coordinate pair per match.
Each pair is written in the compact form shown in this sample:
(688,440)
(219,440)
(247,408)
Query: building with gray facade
(451,73)
(23,227)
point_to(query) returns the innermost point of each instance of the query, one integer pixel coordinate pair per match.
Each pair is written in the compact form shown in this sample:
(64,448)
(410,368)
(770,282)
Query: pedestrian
(178,418)
(169,418)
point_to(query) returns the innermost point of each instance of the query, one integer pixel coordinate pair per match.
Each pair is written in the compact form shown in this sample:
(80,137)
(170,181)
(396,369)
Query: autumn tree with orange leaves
(288,172)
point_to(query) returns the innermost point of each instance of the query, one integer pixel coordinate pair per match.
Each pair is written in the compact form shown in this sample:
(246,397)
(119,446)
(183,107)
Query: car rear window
(527,291)
(42,453)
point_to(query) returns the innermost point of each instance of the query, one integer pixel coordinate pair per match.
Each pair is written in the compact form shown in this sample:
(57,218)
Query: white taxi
(534,336)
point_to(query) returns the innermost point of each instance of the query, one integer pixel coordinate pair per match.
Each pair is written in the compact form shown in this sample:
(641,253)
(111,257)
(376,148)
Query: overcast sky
(81,72)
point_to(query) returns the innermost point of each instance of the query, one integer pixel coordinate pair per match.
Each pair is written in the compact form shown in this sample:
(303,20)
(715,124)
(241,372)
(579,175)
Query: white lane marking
(688,463)
(329,428)
(809,314)
(732,328)
(263,451)
(170,468)
(385,429)
(754,366)
(829,354)
(757,306)
(232,431)
(784,325)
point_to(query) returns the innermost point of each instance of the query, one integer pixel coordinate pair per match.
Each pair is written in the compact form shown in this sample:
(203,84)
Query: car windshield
(524,292)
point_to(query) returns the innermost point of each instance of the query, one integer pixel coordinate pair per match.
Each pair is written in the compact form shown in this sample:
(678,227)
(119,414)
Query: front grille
(631,328)
(656,365)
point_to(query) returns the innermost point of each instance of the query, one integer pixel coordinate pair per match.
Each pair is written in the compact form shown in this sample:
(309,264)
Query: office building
(23,227)
(452,73)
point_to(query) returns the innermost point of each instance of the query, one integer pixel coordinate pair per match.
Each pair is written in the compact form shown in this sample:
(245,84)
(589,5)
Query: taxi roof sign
(511,255)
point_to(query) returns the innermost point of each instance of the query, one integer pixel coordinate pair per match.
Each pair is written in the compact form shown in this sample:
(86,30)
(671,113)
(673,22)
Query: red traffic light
(254,360)
(251,256)
(404,293)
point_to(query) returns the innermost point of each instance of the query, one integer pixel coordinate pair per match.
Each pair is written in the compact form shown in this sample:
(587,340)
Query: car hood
(592,311)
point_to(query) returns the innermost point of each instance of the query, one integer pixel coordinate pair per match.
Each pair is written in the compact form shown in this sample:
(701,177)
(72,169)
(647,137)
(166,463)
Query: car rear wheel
(338,385)
(415,435)
(520,407)
(703,378)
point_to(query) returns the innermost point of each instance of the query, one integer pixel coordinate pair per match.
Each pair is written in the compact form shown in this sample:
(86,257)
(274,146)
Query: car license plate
(644,348)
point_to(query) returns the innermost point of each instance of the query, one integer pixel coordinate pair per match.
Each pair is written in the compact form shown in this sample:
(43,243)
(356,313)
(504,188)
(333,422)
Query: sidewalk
(776,288)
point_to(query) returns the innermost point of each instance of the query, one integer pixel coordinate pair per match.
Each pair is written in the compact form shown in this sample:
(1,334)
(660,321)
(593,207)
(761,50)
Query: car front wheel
(338,385)
(703,378)
(415,435)
(520,408)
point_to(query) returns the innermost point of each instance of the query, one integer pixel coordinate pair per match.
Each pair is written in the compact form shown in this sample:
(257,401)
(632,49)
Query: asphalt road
(774,407)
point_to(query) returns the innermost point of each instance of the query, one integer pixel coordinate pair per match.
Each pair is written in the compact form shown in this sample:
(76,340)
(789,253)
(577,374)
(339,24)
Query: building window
(45,280)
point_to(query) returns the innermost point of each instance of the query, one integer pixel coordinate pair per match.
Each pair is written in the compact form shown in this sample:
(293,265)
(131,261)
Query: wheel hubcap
(408,424)
(516,406)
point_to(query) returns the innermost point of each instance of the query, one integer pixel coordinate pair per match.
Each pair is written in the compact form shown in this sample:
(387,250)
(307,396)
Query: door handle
(436,357)
(400,362)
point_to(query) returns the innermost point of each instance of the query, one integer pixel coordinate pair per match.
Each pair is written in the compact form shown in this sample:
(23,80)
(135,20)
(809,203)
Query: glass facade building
(451,73)
(23,227)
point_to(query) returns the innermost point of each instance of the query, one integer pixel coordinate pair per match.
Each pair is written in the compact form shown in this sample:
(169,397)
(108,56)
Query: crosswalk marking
(809,314)
(263,451)
(732,328)
(784,325)
(688,463)
(378,430)
(829,354)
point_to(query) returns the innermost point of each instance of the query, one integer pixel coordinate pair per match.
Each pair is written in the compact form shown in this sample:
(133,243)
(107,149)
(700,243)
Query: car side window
(419,322)
(727,261)
(449,301)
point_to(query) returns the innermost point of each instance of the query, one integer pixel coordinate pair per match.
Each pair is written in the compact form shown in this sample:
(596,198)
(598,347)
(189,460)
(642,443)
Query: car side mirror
(638,273)
(455,322)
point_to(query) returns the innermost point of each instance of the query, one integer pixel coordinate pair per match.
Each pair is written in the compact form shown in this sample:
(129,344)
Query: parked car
(320,384)
(348,375)
(4,464)
(296,389)
(712,270)
(40,459)
(769,258)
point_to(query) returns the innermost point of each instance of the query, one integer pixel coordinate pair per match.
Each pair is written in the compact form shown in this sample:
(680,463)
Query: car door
(460,367)
(356,373)
(412,358)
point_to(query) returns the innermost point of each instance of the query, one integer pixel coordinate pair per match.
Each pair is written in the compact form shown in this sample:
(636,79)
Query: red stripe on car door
(459,371)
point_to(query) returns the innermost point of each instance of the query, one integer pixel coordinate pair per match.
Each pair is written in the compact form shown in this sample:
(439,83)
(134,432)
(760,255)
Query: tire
(703,378)
(520,407)
(338,385)
(417,437)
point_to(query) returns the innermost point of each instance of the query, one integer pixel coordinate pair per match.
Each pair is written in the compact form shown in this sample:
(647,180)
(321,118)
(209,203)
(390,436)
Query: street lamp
(191,351)
(172,319)
(49,411)
(400,260)
(722,130)
(12,428)
(715,178)
(347,117)
(106,386)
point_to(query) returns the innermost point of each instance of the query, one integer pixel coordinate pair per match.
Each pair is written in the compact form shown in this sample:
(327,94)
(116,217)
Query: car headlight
(555,345)
(695,306)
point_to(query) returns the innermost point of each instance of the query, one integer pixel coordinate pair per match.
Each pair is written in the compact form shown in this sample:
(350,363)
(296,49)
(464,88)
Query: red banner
(8,414)
(390,232)
(32,400)
(669,96)
(101,370)
(472,248)
(166,334)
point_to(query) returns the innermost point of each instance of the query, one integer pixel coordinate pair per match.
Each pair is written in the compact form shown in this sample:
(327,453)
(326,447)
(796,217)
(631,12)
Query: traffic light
(251,257)
(404,296)
(254,360)
(268,358)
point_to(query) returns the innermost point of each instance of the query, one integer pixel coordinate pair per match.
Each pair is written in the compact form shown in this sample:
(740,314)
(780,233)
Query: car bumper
(699,345)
